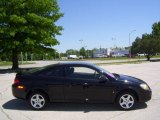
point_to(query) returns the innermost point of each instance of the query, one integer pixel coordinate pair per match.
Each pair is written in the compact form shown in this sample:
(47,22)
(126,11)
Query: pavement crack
(4,90)
(25,116)
(0,96)
(5,114)
(1,92)
(117,115)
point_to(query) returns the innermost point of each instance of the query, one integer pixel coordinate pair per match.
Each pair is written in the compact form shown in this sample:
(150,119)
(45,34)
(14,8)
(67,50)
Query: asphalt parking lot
(14,109)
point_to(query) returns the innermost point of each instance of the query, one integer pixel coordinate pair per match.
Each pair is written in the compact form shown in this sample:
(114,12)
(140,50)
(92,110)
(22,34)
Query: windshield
(108,73)
(105,71)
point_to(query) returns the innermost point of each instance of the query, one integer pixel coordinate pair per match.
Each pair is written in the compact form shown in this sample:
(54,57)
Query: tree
(27,25)
(82,52)
(156,33)
(156,29)
(135,48)
(45,54)
(72,52)
(147,45)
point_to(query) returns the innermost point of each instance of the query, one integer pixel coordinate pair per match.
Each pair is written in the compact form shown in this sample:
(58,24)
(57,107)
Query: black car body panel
(59,85)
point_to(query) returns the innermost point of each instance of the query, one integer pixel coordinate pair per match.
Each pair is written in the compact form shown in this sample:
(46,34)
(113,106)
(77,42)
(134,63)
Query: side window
(81,73)
(55,72)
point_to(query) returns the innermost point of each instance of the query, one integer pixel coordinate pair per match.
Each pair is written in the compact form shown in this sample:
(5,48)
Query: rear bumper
(145,96)
(18,93)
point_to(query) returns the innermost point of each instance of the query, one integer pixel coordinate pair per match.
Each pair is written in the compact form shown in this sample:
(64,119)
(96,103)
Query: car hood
(126,78)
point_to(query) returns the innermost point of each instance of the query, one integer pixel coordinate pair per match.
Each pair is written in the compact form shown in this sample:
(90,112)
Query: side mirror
(103,78)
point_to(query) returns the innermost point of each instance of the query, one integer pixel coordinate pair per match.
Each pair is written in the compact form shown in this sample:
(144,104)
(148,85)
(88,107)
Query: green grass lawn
(8,63)
(5,63)
(120,63)
(113,58)
(121,58)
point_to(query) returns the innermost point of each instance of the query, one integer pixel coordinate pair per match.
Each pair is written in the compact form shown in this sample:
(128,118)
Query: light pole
(114,46)
(81,42)
(130,50)
(114,42)
(85,51)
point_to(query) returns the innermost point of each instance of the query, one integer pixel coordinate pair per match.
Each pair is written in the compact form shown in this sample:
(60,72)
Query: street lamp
(81,42)
(130,51)
(86,51)
(114,42)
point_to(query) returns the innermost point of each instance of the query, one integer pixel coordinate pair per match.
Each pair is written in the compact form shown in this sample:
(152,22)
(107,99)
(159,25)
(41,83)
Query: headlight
(144,86)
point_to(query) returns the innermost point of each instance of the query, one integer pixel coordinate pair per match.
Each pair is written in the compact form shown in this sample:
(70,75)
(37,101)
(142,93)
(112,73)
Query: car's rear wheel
(126,100)
(37,100)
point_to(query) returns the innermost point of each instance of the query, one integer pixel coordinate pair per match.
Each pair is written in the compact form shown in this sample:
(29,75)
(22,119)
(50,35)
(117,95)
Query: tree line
(148,44)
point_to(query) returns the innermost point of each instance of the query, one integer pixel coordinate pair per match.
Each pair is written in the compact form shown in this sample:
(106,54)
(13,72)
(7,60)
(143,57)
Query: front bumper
(145,96)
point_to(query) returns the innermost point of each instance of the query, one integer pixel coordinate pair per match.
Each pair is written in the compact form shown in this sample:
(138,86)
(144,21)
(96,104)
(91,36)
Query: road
(43,63)
(14,109)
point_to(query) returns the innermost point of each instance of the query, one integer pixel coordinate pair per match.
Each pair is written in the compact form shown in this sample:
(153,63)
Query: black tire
(126,101)
(38,100)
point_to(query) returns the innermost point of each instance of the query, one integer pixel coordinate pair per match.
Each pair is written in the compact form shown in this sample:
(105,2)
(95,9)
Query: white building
(119,53)
(102,52)
(106,52)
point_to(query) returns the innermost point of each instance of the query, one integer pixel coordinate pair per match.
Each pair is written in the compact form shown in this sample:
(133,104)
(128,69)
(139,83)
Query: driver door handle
(85,85)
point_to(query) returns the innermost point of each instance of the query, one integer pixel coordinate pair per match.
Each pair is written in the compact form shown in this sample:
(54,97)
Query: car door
(99,89)
(83,84)
(96,86)
(53,78)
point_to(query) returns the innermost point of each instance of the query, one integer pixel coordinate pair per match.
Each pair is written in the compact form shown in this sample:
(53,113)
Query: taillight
(18,84)
(16,81)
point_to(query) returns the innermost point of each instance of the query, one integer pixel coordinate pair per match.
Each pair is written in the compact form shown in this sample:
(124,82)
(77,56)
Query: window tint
(82,73)
(55,72)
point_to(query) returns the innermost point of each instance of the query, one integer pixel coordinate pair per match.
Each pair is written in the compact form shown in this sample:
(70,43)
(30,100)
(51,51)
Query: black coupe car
(78,82)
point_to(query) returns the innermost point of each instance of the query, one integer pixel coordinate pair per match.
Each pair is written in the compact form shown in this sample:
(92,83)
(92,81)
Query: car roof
(76,63)
(79,63)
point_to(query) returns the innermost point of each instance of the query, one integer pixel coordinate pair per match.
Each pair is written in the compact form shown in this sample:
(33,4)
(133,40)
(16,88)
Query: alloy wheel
(126,101)
(37,101)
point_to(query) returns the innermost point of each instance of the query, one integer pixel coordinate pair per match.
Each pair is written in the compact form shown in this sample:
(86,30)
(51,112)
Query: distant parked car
(100,56)
(72,57)
(141,54)
(79,82)
(119,55)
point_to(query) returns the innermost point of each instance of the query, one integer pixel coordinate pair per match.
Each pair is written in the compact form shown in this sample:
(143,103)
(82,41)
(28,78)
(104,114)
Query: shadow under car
(18,104)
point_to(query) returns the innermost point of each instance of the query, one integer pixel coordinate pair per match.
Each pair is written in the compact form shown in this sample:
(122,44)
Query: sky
(105,23)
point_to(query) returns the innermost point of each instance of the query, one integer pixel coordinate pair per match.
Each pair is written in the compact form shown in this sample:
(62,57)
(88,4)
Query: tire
(126,100)
(38,100)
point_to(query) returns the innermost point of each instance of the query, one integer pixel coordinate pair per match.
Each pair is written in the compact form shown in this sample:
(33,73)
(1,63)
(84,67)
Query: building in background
(107,52)
(119,53)
(101,52)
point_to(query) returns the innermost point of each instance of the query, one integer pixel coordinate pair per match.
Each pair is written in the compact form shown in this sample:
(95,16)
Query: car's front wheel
(126,100)
(37,100)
